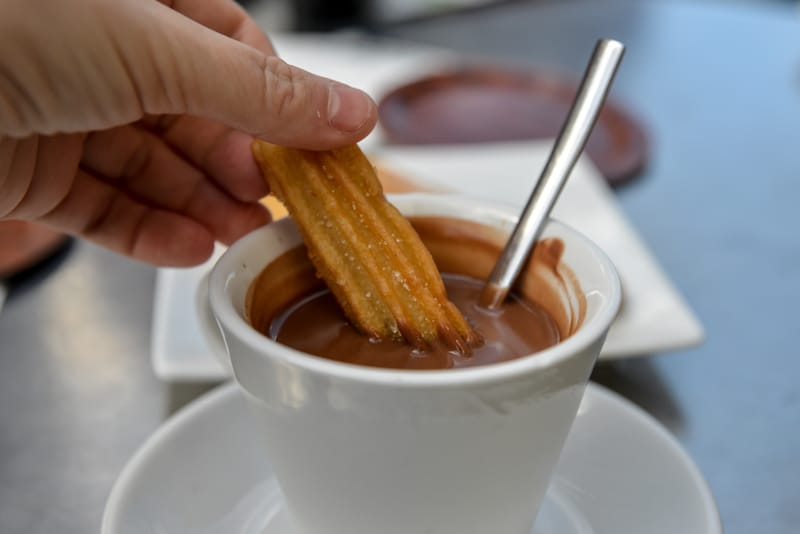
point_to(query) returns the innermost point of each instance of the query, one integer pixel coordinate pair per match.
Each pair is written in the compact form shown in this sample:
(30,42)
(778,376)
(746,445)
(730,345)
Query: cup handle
(208,324)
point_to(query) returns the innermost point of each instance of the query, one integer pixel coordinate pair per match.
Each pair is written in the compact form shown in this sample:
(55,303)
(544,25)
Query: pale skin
(129,122)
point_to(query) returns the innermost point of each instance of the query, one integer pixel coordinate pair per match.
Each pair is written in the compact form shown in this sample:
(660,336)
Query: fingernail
(348,108)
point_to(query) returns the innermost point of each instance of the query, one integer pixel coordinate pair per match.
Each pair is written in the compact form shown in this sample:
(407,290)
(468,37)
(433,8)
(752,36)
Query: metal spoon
(566,150)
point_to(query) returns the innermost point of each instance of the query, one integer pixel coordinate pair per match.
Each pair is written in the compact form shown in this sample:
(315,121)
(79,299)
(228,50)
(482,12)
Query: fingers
(201,72)
(107,216)
(220,152)
(138,162)
(223,153)
(17,161)
(130,58)
(225,17)
(132,194)
(38,174)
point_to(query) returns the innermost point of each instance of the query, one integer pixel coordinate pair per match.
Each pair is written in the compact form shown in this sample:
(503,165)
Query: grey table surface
(718,87)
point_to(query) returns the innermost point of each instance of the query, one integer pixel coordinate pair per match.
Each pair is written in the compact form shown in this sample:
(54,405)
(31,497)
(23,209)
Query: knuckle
(284,91)
(37,179)
(17,167)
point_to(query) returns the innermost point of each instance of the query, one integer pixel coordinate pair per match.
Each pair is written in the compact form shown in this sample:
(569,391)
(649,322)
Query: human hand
(129,122)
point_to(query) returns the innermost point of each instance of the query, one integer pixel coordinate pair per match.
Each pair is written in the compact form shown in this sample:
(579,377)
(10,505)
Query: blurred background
(318,15)
(707,126)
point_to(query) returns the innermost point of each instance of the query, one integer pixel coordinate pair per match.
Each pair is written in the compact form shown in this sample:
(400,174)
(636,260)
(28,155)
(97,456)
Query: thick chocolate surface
(288,303)
(316,325)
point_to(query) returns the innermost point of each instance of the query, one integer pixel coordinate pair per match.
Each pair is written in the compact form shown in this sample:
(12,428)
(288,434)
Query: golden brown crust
(371,258)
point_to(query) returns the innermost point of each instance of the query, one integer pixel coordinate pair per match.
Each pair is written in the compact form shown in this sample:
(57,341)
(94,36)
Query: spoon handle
(566,150)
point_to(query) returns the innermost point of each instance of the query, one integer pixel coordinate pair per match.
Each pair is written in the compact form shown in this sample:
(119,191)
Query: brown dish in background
(479,105)
(23,244)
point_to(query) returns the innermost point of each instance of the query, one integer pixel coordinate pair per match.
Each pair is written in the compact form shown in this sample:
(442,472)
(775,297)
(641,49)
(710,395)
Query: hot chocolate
(519,328)
(288,303)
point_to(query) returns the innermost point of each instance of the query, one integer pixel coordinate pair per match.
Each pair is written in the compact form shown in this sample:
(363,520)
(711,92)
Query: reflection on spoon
(566,150)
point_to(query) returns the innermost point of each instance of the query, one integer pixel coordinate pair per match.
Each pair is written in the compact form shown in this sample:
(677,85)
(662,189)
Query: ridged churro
(373,261)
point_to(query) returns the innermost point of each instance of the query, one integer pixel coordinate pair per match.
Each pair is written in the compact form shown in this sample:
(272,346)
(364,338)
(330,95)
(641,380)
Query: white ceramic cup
(360,450)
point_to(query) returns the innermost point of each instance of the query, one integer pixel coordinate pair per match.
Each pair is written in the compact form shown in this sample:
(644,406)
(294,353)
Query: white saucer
(203,472)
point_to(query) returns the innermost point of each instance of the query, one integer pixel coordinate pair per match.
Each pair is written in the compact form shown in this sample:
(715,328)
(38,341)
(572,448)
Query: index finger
(225,17)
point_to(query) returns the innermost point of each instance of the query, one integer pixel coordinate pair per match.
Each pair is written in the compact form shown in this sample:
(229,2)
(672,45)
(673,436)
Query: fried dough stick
(372,259)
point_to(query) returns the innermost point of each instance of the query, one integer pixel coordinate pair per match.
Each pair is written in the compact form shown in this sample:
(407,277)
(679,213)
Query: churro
(373,261)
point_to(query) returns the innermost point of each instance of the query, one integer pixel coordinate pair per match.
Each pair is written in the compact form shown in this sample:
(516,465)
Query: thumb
(204,73)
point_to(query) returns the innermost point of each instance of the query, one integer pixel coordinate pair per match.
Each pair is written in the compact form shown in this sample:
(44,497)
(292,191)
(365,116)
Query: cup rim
(265,347)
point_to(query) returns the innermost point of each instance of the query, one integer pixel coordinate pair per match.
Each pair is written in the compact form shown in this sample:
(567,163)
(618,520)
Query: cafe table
(716,87)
